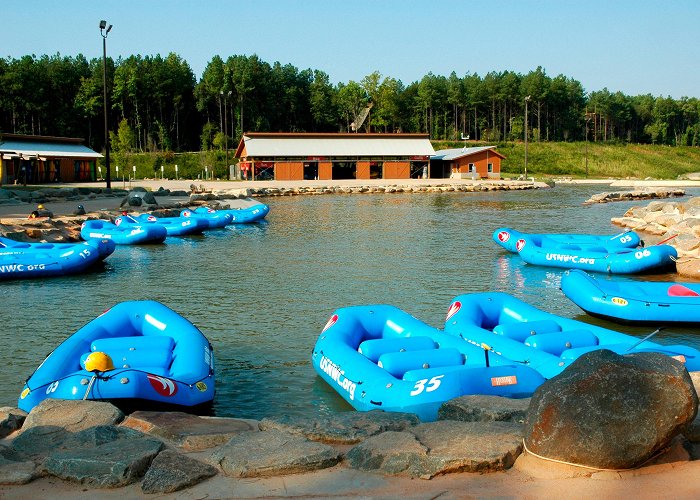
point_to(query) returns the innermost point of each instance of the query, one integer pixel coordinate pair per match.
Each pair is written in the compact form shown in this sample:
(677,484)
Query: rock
(72,415)
(272,453)
(610,411)
(171,471)
(190,432)
(689,268)
(439,448)
(346,428)
(12,472)
(484,409)
(138,197)
(11,419)
(40,440)
(110,465)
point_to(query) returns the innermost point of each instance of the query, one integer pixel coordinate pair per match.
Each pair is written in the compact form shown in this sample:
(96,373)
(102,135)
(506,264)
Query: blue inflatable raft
(247,215)
(633,301)
(214,218)
(380,357)
(20,260)
(540,340)
(137,355)
(507,238)
(125,231)
(600,259)
(175,226)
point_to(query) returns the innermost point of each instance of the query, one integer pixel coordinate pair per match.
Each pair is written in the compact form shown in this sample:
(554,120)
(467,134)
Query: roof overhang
(259,145)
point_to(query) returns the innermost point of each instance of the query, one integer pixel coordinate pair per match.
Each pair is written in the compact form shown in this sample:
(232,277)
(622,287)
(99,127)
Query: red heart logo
(454,307)
(330,323)
(503,236)
(520,245)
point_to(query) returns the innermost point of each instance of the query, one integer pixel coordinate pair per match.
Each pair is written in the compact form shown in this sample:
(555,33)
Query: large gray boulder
(171,471)
(138,197)
(342,428)
(190,432)
(72,415)
(109,465)
(272,453)
(479,408)
(610,411)
(439,448)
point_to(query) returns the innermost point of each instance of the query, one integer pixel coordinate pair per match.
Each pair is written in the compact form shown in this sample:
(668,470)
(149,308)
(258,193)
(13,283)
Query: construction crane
(360,118)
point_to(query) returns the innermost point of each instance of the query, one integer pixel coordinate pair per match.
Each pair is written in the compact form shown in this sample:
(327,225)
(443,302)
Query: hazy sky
(634,46)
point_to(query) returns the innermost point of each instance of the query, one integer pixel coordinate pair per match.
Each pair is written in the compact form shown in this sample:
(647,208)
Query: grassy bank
(544,159)
(549,159)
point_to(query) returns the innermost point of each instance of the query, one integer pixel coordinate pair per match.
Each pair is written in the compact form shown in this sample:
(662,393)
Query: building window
(490,167)
(472,168)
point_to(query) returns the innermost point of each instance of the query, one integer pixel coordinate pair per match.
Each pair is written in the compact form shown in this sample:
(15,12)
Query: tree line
(157,104)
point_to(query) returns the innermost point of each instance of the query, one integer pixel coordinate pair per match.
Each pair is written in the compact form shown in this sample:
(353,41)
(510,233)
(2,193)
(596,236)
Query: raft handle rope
(589,467)
(489,348)
(119,371)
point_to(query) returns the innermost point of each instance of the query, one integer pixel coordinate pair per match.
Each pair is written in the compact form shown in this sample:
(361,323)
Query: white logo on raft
(338,376)
(20,268)
(570,258)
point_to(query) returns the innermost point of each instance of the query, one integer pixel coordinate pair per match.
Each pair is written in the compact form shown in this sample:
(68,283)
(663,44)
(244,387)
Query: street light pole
(526,101)
(104,31)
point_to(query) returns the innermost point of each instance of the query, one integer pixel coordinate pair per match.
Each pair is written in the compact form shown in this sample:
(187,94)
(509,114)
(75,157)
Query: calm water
(261,294)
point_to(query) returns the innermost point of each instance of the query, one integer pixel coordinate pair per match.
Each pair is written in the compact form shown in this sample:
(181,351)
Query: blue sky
(634,46)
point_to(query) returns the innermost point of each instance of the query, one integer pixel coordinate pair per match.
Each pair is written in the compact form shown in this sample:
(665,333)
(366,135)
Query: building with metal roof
(482,162)
(36,159)
(298,156)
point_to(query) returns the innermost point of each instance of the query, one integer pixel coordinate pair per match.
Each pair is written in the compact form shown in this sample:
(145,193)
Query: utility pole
(526,101)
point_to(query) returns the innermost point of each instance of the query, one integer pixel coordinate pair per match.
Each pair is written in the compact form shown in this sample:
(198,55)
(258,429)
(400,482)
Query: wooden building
(466,163)
(299,156)
(36,159)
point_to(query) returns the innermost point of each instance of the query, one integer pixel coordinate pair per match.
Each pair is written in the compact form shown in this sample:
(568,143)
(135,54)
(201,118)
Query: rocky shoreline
(677,223)
(92,445)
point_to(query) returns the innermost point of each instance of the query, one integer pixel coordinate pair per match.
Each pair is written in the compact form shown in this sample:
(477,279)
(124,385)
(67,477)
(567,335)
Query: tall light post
(104,31)
(526,101)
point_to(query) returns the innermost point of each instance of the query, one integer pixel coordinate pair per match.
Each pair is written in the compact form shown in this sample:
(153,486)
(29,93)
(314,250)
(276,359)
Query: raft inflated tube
(557,343)
(521,331)
(398,363)
(374,348)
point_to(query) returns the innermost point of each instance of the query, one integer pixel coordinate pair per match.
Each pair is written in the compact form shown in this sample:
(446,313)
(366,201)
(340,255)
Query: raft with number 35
(380,357)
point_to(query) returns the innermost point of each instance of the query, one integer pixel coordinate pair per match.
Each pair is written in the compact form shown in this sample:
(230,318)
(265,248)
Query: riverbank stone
(272,453)
(342,428)
(171,471)
(110,465)
(189,432)
(440,447)
(479,408)
(16,472)
(11,419)
(72,415)
(609,411)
